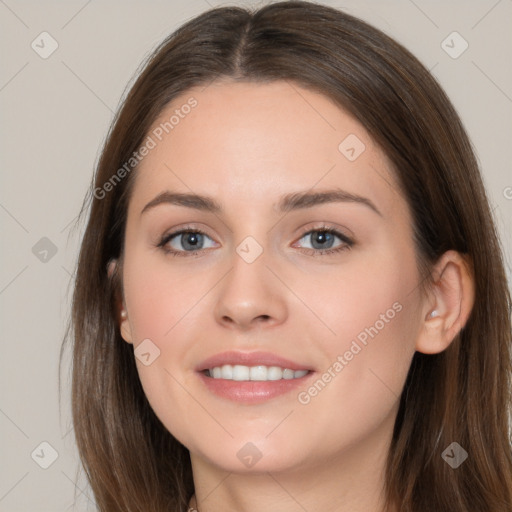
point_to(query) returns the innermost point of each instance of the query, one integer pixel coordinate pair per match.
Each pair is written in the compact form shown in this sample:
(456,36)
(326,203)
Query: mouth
(252,377)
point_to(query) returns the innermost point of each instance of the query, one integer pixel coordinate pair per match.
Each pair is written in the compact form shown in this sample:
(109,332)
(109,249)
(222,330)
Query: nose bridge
(249,266)
(250,290)
(251,249)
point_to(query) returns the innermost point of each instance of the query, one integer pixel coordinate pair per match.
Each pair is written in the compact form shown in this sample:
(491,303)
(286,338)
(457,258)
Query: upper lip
(249,359)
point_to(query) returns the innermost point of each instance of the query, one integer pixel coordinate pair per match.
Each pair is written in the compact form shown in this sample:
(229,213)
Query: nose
(251,295)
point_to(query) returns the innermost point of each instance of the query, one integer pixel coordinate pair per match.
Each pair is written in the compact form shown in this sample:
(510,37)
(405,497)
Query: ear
(451,298)
(113,268)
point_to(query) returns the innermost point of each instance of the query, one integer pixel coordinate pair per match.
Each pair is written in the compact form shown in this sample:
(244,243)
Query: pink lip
(249,359)
(251,392)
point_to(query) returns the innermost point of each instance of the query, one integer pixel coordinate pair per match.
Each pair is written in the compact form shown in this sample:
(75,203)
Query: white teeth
(227,371)
(258,373)
(261,373)
(288,374)
(274,373)
(239,372)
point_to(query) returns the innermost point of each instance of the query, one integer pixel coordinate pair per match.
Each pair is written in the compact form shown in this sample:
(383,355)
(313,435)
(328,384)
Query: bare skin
(246,145)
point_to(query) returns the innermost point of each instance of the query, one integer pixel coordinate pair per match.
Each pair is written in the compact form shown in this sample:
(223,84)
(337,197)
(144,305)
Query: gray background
(55,115)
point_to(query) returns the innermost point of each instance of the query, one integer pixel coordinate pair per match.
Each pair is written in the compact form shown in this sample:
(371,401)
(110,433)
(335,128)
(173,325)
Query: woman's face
(263,286)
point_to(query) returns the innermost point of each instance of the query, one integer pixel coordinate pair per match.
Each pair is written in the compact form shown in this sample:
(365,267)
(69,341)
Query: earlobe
(124,326)
(121,313)
(111,266)
(449,305)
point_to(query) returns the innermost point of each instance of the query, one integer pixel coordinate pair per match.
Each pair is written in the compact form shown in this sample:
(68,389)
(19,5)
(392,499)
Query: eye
(191,240)
(323,238)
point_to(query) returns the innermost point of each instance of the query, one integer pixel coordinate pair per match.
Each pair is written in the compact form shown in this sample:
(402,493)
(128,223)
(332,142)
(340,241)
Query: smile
(252,377)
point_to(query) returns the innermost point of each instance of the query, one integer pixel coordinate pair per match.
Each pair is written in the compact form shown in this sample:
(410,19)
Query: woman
(369,370)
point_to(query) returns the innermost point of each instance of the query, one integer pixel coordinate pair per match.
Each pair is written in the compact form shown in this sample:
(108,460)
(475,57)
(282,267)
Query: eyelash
(348,243)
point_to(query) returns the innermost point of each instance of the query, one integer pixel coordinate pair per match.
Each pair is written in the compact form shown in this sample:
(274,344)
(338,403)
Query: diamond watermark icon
(351,147)
(454,455)
(249,249)
(454,45)
(249,454)
(44,45)
(44,455)
(44,250)
(146,352)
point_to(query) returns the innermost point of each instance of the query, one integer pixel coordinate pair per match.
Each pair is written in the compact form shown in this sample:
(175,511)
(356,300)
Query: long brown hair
(462,394)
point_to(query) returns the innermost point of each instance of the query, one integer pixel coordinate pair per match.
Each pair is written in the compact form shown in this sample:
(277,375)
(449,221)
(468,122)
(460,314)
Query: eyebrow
(288,202)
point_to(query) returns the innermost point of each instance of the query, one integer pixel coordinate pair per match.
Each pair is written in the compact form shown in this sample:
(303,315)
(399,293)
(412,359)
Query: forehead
(253,142)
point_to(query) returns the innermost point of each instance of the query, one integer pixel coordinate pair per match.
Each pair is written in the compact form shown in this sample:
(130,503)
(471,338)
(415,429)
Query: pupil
(191,240)
(322,237)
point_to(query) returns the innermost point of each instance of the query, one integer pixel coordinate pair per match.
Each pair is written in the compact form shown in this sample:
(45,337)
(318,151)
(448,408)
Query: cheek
(159,302)
(166,306)
(159,296)
(369,371)
(367,299)
(374,317)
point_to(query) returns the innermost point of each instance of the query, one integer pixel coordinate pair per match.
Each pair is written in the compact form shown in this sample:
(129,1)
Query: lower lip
(254,391)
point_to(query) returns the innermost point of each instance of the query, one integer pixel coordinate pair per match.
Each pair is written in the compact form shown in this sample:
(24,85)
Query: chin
(251,458)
